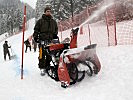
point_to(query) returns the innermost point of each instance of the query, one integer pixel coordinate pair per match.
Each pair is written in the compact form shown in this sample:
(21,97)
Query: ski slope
(114,81)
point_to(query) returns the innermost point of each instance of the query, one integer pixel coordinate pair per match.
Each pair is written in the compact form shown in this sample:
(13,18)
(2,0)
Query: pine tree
(12,10)
(18,19)
(40,5)
(62,9)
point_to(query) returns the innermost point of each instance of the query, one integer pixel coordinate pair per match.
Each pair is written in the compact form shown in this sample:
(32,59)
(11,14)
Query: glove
(55,36)
(36,36)
(36,39)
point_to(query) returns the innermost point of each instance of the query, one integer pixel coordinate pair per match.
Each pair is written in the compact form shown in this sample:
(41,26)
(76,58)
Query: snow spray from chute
(98,12)
(24,22)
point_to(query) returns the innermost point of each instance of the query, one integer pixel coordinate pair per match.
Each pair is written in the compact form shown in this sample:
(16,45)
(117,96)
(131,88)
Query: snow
(3,36)
(113,82)
(32,3)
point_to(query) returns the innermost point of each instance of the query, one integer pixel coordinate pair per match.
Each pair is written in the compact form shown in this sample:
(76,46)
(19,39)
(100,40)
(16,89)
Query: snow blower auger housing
(70,64)
(74,63)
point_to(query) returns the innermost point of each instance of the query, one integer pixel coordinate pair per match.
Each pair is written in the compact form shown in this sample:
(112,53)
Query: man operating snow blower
(44,31)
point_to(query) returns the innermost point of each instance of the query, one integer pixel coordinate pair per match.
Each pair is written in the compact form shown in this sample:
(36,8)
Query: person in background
(28,45)
(6,50)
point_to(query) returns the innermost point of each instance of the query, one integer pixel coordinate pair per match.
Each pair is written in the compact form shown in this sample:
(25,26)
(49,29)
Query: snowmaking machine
(70,64)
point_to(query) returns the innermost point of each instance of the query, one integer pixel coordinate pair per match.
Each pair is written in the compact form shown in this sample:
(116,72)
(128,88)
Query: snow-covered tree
(18,18)
(12,10)
(63,9)
(2,23)
(40,5)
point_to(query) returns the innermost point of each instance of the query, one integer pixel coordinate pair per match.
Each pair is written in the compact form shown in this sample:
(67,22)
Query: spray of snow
(99,11)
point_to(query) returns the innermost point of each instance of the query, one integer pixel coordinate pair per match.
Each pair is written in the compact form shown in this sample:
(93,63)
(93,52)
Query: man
(27,44)
(45,30)
(6,50)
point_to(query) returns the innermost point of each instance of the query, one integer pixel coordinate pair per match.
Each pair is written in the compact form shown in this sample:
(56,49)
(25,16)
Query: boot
(43,72)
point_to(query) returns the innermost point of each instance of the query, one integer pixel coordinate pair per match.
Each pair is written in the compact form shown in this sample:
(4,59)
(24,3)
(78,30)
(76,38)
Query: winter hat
(47,8)
(6,41)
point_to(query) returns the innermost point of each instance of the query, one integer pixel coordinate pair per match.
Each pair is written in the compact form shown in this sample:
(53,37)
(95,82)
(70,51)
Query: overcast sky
(32,3)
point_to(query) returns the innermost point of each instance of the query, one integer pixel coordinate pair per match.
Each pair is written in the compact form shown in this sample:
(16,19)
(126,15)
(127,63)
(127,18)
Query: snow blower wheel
(91,64)
(73,72)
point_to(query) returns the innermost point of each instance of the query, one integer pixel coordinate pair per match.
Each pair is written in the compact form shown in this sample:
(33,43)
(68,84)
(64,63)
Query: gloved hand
(36,36)
(55,36)
(36,39)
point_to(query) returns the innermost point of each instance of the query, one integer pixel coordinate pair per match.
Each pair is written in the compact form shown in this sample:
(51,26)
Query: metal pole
(89,34)
(60,22)
(72,11)
(106,16)
(71,8)
(114,18)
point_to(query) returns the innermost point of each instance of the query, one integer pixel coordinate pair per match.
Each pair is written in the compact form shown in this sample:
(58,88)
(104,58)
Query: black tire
(73,72)
(81,75)
(90,71)
(53,73)
(93,66)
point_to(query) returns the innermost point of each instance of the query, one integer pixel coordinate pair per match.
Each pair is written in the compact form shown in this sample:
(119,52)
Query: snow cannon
(75,63)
